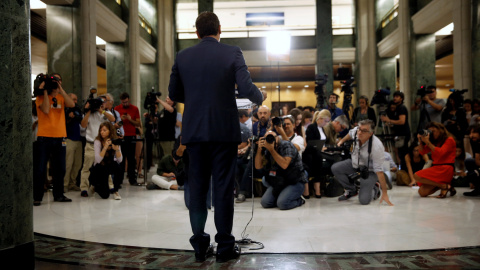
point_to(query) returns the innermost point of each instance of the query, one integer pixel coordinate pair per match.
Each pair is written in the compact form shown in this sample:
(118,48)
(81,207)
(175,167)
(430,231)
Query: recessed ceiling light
(264,87)
(306,86)
(276,86)
(289,86)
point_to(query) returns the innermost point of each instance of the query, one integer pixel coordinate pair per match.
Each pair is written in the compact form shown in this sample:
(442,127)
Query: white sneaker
(116,196)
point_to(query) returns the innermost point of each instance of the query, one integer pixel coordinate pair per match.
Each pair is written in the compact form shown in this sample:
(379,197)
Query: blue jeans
(55,150)
(289,197)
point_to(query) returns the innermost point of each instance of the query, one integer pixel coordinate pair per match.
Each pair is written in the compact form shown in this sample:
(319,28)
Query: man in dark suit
(203,78)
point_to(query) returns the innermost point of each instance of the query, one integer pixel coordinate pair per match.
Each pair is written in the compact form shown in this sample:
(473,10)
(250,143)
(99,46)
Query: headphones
(363,97)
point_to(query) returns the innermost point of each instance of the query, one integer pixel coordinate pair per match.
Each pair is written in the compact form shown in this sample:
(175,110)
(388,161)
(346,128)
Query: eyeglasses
(54,102)
(364,130)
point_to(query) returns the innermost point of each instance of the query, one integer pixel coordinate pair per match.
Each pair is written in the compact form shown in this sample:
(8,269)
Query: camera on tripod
(380,96)
(151,99)
(423,91)
(361,172)
(51,83)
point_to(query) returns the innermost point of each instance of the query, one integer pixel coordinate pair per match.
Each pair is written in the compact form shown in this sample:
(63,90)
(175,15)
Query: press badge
(64,143)
(273,173)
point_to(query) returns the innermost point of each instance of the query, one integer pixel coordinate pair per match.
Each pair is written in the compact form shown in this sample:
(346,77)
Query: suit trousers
(128,151)
(54,149)
(73,163)
(216,161)
(342,169)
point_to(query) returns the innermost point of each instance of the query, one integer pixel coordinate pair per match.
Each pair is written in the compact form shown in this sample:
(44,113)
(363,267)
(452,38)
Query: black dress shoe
(62,199)
(37,203)
(201,257)
(136,184)
(234,254)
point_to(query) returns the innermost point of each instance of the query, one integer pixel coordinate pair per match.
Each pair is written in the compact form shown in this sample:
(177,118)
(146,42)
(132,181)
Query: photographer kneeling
(282,167)
(108,157)
(365,166)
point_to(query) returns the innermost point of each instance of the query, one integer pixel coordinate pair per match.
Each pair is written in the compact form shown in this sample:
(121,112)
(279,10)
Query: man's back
(207,73)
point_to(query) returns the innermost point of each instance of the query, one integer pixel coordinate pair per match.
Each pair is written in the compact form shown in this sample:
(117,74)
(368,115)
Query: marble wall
(16,199)
(324,42)
(381,9)
(64,52)
(387,73)
(117,70)
(205,5)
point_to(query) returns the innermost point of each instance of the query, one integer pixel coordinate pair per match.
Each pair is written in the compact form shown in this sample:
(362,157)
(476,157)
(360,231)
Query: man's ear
(219,29)
(196,32)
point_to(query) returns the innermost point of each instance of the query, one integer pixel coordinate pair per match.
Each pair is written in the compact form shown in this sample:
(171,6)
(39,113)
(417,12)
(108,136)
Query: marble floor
(158,219)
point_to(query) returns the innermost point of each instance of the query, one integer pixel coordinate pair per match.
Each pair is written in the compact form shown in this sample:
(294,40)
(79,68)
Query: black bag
(334,188)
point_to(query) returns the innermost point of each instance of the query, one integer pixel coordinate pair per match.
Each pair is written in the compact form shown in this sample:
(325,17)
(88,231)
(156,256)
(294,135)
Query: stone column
(366,48)
(16,198)
(324,42)
(133,36)
(165,45)
(462,44)
(405,29)
(475,48)
(64,48)
(386,74)
(89,46)
(205,5)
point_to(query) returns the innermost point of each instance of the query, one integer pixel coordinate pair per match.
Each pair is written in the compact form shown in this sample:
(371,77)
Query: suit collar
(210,39)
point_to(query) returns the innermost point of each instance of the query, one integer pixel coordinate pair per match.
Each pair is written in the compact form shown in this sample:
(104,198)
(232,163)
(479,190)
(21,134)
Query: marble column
(134,55)
(89,45)
(205,5)
(366,48)
(475,48)
(64,46)
(405,29)
(462,44)
(117,70)
(165,45)
(324,38)
(16,197)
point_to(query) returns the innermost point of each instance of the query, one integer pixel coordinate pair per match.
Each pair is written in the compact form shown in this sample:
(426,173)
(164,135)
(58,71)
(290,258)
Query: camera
(95,104)
(423,91)
(361,172)
(117,141)
(270,139)
(77,113)
(277,121)
(347,86)
(380,96)
(50,84)
(424,132)
(151,99)
(120,123)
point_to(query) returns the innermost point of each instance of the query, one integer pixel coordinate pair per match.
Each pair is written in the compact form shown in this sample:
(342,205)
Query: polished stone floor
(318,234)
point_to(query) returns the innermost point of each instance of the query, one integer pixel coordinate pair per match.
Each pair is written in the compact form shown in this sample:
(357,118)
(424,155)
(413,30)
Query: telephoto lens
(270,138)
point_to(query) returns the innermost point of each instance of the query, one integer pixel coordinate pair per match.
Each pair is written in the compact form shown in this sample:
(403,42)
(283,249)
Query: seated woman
(107,162)
(311,157)
(460,178)
(443,147)
(363,111)
(414,162)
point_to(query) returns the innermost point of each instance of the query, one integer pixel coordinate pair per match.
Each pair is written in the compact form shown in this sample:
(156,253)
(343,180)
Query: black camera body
(77,113)
(270,138)
(117,141)
(424,132)
(361,172)
(277,121)
(50,84)
(380,96)
(423,91)
(95,104)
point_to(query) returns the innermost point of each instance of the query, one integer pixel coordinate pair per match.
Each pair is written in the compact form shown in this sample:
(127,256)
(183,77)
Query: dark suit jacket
(312,133)
(203,78)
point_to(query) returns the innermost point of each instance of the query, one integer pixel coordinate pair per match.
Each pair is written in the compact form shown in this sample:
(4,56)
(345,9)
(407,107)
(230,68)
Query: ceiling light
(264,87)
(278,46)
(306,86)
(276,86)
(289,86)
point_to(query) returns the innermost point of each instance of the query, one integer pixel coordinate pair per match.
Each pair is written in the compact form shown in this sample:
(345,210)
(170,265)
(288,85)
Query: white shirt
(377,156)
(322,134)
(93,125)
(298,140)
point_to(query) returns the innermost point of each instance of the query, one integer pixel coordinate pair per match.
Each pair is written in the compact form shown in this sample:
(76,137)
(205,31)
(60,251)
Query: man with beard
(258,130)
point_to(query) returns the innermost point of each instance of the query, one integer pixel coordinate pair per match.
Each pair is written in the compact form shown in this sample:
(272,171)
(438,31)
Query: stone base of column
(19,257)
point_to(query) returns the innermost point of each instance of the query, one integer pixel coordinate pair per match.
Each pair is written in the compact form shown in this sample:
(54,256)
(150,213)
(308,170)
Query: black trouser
(128,151)
(149,149)
(472,176)
(99,178)
(216,161)
(45,148)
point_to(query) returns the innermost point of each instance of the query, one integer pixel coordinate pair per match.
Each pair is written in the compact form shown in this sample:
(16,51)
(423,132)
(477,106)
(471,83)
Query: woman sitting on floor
(414,162)
(443,148)
(108,157)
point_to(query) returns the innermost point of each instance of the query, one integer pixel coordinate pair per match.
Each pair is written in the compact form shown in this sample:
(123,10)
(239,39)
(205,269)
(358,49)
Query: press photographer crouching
(365,168)
(107,162)
(281,166)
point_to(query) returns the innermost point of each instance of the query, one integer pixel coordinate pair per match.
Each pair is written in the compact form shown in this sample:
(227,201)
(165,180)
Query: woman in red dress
(443,147)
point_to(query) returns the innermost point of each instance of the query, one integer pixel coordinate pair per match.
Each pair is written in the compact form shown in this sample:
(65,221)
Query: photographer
(473,164)
(167,122)
(50,136)
(108,155)
(151,133)
(74,152)
(283,173)
(366,166)
(429,105)
(94,116)
(398,119)
(441,144)
(454,117)
(118,123)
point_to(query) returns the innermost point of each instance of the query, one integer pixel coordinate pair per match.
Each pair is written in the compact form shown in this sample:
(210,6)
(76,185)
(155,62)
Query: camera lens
(270,138)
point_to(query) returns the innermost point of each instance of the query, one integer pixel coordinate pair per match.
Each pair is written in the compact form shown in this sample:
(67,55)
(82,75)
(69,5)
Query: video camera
(151,99)
(423,91)
(380,96)
(51,83)
(347,86)
(95,103)
(320,82)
